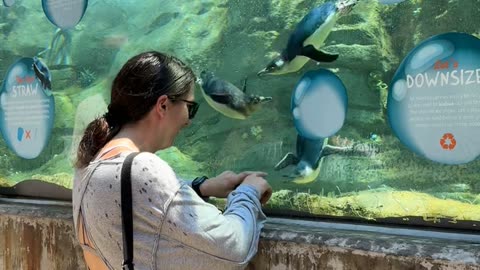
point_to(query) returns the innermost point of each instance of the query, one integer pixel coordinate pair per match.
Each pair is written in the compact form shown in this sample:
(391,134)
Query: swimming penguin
(308,37)
(319,107)
(307,161)
(42,73)
(227,99)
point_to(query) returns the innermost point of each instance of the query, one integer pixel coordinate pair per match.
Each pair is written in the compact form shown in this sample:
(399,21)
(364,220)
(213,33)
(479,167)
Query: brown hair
(135,90)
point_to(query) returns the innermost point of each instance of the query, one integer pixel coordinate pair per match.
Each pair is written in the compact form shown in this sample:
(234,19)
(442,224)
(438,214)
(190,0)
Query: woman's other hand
(261,185)
(226,182)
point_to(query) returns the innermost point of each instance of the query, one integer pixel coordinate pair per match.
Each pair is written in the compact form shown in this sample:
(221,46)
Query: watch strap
(196,183)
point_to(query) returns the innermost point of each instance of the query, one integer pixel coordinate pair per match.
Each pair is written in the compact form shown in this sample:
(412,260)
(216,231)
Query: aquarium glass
(361,110)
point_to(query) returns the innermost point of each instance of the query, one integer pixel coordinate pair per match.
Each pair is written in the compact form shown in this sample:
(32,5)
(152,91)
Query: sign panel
(27,107)
(434,99)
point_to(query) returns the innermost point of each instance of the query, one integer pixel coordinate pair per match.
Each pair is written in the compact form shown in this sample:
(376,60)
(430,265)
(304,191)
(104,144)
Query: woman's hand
(261,185)
(225,183)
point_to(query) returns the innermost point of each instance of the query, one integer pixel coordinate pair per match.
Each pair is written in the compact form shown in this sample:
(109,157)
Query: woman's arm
(200,226)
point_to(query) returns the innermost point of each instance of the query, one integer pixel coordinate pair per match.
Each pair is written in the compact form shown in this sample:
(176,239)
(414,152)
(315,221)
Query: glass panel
(376,162)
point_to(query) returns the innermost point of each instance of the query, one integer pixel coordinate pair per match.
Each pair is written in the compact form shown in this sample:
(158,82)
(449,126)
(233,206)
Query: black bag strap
(127,215)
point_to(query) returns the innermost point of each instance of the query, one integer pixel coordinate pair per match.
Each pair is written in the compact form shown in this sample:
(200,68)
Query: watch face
(199,180)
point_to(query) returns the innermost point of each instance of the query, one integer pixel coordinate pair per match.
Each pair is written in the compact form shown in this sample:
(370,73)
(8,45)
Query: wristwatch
(196,183)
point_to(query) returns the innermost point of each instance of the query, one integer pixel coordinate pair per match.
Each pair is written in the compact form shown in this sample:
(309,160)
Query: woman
(152,99)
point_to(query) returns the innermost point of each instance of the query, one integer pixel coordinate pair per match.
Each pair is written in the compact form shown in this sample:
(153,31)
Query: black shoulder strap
(127,215)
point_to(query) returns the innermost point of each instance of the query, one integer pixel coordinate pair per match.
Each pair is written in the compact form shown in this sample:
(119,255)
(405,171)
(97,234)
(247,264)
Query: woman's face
(177,116)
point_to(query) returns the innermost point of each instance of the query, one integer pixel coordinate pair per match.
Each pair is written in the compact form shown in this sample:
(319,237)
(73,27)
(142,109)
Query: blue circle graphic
(64,14)
(8,3)
(434,99)
(319,104)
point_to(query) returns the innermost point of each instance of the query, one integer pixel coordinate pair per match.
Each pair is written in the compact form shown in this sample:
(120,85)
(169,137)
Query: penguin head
(256,100)
(304,173)
(205,76)
(253,103)
(275,66)
(302,170)
(345,6)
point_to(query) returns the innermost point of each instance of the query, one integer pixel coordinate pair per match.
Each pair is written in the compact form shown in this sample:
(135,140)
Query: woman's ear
(161,105)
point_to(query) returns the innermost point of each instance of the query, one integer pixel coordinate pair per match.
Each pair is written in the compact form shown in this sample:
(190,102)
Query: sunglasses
(192,106)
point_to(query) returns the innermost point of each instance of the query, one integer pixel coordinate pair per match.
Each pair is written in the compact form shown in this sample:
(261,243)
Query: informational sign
(8,3)
(27,108)
(319,104)
(434,99)
(64,14)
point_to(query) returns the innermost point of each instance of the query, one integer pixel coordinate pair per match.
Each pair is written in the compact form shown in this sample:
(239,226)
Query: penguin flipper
(244,88)
(46,84)
(319,56)
(288,159)
(37,71)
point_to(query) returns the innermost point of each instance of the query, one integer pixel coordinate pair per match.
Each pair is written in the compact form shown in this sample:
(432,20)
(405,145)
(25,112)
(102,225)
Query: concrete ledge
(39,235)
(293,244)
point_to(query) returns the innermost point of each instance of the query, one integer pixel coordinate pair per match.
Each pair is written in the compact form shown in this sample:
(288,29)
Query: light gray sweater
(173,227)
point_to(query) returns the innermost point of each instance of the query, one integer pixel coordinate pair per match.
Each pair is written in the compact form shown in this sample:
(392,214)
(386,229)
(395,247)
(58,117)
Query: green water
(236,39)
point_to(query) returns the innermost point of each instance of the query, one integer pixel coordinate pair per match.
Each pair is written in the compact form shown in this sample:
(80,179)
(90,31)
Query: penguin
(319,107)
(307,161)
(308,38)
(42,73)
(227,99)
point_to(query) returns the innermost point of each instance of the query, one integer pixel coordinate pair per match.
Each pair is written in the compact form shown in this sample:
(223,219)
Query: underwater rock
(377,204)
(4,183)
(62,179)
(64,113)
(356,57)
(161,20)
(63,78)
(86,77)
(290,12)
(365,119)
(200,27)
(413,21)
(28,30)
(438,17)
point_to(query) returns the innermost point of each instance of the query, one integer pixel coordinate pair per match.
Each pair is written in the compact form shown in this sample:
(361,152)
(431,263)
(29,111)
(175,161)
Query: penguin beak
(345,6)
(262,72)
(265,99)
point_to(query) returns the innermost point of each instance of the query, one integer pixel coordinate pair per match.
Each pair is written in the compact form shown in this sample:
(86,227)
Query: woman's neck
(140,135)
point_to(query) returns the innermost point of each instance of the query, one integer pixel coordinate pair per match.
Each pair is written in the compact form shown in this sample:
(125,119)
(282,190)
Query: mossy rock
(63,78)
(4,182)
(64,112)
(62,179)
(377,204)
(183,165)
